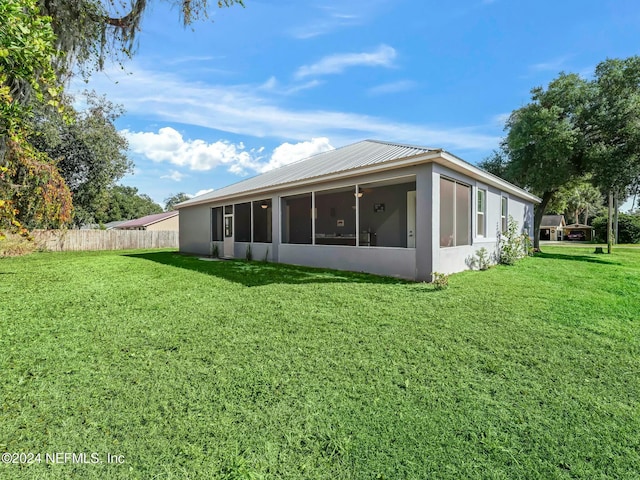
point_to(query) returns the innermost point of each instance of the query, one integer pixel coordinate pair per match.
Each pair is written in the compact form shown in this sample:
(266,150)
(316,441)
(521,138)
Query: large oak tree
(575,127)
(544,146)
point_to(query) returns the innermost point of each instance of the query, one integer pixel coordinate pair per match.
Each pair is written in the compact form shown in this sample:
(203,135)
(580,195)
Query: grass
(193,369)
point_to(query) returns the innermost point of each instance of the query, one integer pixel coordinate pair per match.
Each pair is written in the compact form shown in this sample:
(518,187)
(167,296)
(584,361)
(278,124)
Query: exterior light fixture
(263,204)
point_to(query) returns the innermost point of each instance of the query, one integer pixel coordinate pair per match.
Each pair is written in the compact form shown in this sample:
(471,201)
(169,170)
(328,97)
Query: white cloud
(168,145)
(332,15)
(393,87)
(382,57)
(325,25)
(175,176)
(273,86)
(331,18)
(245,110)
(288,153)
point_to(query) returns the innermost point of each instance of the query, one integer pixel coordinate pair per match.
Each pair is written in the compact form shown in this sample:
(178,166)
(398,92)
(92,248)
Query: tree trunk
(537,218)
(615,218)
(610,223)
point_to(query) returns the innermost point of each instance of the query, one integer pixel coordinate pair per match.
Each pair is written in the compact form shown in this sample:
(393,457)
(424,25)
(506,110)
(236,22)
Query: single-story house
(376,207)
(551,227)
(576,228)
(165,221)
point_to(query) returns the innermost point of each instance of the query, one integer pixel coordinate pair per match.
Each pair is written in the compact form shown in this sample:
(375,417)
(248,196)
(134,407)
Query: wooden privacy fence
(76,240)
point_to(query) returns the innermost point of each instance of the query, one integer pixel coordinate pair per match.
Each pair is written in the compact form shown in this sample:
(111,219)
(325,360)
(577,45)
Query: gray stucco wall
(456,259)
(258,250)
(394,262)
(417,264)
(195,229)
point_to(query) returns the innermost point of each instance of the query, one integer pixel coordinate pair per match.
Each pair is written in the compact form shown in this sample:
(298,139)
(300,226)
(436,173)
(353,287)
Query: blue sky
(279,80)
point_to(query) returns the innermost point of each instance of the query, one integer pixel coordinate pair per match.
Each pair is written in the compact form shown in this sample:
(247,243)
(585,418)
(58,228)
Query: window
(481,209)
(216,224)
(455,213)
(242,213)
(503,213)
(228,226)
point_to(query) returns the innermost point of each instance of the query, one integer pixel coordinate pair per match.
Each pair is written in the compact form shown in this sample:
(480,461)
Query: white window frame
(504,213)
(481,222)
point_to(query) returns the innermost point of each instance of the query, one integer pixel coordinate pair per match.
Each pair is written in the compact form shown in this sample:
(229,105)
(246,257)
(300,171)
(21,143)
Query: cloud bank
(168,145)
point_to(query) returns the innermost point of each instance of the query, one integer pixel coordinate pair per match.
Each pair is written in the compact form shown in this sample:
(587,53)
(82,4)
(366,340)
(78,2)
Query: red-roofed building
(166,221)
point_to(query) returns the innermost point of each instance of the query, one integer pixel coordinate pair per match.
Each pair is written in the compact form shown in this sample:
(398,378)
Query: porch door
(228,231)
(411,219)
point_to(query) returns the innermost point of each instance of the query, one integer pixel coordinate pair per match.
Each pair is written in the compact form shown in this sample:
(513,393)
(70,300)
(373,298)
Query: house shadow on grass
(254,274)
(577,258)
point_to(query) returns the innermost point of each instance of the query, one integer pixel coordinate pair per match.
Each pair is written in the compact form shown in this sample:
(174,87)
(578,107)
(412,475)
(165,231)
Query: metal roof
(358,156)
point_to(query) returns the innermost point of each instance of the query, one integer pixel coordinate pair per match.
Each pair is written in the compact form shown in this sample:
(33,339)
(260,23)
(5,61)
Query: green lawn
(194,369)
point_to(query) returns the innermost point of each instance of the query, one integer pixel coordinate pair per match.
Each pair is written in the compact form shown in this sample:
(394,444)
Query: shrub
(440,280)
(15,245)
(511,244)
(215,252)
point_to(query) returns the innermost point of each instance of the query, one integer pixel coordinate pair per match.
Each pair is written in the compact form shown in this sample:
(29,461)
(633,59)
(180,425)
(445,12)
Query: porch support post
(357,190)
(276,218)
(425,217)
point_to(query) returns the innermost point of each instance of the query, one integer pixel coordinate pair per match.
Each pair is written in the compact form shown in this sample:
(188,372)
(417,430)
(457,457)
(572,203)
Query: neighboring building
(166,221)
(551,227)
(373,206)
(578,231)
(114,224)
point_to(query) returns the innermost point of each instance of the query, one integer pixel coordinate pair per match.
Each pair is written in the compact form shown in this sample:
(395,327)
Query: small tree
(32,192)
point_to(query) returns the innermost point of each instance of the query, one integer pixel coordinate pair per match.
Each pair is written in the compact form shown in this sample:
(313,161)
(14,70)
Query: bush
(628,228)
(512,245)
(440,280)
(15,245)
